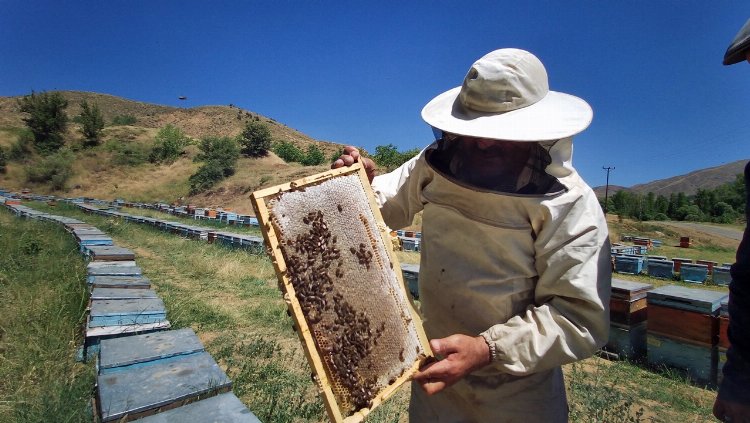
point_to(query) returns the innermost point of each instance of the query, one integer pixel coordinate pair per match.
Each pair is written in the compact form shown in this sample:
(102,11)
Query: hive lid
(691,299)
(629,290)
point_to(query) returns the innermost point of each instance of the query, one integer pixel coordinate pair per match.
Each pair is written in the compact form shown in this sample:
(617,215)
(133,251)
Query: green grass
(43,296)
(621,391)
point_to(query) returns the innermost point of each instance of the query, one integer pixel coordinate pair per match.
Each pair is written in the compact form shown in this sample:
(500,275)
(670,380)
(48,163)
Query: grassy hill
(689,183)
(99,171)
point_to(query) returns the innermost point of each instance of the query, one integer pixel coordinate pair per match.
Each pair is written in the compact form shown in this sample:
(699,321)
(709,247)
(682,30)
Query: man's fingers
(337,164)
(443,346)
(433,387)
(436,370)
(350,150)
(348,160)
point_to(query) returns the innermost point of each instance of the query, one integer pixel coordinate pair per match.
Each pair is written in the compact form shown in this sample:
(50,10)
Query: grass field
(42,301)
(230,298)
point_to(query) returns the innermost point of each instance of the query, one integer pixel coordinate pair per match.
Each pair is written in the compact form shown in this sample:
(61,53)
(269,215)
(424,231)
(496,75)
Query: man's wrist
(492,350)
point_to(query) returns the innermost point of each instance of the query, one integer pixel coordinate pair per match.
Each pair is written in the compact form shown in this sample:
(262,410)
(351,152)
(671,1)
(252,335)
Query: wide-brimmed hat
(736,51)
(505,96)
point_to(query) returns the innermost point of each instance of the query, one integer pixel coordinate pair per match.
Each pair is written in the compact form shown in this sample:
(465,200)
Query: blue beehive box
(697,362)
(628,264)
(225,408)
(694,273)
(660,268)
(627,341)
(138,391)
(410,244)
(721,275)
(411,278)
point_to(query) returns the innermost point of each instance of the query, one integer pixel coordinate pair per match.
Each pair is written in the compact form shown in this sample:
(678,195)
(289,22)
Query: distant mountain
(689,183)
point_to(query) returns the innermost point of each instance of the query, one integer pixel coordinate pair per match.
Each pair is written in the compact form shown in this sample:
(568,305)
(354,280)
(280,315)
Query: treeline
(724,204)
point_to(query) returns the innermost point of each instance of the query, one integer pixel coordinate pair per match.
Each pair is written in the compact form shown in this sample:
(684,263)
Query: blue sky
(360,72)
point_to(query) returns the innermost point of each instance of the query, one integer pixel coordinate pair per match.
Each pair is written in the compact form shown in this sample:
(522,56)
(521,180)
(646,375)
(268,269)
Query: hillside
(97,174)
(689,183)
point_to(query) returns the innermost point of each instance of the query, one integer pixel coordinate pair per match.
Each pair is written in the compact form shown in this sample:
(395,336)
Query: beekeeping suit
(518,254)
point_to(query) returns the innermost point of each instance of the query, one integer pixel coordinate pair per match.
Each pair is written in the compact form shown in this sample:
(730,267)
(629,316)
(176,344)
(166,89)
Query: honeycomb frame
(378,369)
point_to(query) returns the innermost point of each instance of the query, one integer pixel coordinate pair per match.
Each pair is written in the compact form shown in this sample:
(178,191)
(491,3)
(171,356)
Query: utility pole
(606,188)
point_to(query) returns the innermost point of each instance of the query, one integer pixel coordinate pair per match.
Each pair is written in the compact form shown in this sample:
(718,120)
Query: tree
(389,157)
(255,139)
(288,152)
(169,143)
(222,149)
(314,156)
(54,169)
(92,123)
(386,156)
(219,156)
(47,119)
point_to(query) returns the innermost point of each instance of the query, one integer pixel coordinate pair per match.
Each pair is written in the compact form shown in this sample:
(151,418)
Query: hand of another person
(462,355)
(350,156)
(729,411)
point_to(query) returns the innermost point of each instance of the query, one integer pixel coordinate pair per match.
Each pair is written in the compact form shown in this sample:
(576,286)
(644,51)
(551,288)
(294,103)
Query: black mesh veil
(501,166)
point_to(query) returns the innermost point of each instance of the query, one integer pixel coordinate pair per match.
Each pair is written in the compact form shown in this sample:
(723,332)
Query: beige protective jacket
(529,273)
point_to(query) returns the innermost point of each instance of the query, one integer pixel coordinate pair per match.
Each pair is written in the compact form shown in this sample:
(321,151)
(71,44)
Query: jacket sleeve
(735,386)
(398,193)
(569,319)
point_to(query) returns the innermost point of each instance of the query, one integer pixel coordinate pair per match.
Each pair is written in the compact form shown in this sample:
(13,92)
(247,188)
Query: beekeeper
(515,274)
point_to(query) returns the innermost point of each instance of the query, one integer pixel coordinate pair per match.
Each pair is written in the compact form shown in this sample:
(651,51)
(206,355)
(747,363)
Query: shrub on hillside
(313,156)
(92,123)
(219,156)
(389,157)
(255,139)
(23,148)
(169,144)
(288,152)
(3,160)
(46,119)
(129,154)
(208,175)
(123,120)
(54,169)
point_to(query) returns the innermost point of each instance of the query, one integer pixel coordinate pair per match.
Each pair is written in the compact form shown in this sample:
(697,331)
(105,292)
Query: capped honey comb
(344,287)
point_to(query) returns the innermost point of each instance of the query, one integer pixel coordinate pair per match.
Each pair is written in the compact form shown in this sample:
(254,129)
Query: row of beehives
(145,371)
(687,270)
(641,241)
(211,235)
(195,212)
(677,327)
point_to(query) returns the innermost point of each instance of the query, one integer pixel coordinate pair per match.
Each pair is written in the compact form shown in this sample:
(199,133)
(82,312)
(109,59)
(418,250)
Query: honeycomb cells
(347,289)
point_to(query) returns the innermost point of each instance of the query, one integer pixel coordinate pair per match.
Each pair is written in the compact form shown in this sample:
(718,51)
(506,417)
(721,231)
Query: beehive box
(660,268)
(627,341)
(344,287)
(629,264)
(696,361)
(694,273)
(627,304)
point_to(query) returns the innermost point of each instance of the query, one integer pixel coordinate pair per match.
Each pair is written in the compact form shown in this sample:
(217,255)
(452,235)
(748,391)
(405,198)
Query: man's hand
(350,156)
(462,355)
(729,411)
